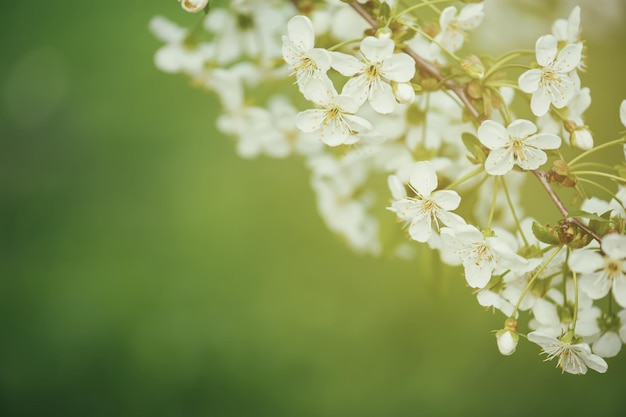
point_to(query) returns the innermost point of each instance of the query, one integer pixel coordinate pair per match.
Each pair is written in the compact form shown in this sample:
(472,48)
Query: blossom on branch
(372,75)
(518,144)
(552,83)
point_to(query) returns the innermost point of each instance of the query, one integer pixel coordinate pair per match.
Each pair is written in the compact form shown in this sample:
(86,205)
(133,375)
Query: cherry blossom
(518,144)
(552,83)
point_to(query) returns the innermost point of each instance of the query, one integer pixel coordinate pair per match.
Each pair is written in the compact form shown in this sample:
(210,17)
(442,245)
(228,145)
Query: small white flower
(481,256)
(573,358)
(622,112)
(552,83)
(373,74)
(193,6)
(517,144)
(178,54)
(428,206)
(303,59)
(568,30)
(453,27)
(336,121)
(601,274)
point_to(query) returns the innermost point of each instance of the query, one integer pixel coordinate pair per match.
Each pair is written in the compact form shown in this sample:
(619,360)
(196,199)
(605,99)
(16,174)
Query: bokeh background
(145,269)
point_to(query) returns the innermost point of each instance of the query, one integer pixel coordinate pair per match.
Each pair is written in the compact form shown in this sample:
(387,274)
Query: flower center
(373,72)
(612,268)
(549,77)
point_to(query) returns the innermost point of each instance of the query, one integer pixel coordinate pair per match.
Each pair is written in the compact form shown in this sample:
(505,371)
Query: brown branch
(425,66)
(542,177)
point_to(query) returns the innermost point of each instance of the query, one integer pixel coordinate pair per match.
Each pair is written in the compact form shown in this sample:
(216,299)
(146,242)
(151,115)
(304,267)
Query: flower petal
(521,128)
(423,178)
(492,134)
(499,162)
(529,81)
(546,49)
(376,50)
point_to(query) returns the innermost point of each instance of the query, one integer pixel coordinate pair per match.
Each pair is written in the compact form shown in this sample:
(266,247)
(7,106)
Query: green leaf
(474,147)
(545,234)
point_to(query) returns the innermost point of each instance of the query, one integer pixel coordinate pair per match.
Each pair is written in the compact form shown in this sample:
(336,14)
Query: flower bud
(507,341)
(384,33)
(404,92)
(194,6)
(581,138)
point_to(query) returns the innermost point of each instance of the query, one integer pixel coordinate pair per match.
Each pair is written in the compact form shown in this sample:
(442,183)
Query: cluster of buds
(373,89)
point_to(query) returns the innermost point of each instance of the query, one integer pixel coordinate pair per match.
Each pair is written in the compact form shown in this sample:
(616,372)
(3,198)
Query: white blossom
(371,76)
(335,122)
(454,28)
(305,61)
(601,274)
(428,207)
(573,358)
(552,83)
(517,144)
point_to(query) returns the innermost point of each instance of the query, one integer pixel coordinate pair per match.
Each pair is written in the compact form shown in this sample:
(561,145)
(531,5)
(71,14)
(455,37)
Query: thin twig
(542,177)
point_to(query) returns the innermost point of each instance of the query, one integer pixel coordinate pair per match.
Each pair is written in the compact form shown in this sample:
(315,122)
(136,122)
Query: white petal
(521,128)
(540,101)
(499,162)
(585,261)
(310,120)
(492,134)
(345,64)
(544,141)
(568,58)
(622,112)
(396,187)
(614,245)
(399,67)
(529,81)
(546,49)
(382,98)
(447,199)
(619,289)
(421,228)
(542,339)
(357,123)
(377,49)
(608,345)
(595,285)
(596,363)
(423,178)
(300,32)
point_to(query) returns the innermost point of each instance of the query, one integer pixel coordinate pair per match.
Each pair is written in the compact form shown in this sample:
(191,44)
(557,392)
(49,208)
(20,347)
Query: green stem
(340,44)
(575,317)
(425,3)
(531,281)
(493,202)
(512,207)
(600,174)
(597,148)
(588,165)
(603,188)
(465,177)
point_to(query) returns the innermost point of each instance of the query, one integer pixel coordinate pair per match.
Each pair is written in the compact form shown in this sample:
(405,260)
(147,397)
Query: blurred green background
(147,270)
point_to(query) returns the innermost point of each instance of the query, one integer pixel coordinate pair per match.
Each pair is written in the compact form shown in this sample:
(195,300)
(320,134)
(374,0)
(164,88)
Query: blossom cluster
(375,90)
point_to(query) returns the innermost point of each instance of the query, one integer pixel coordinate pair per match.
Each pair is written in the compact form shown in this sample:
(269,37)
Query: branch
(425,66)
(542,177)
